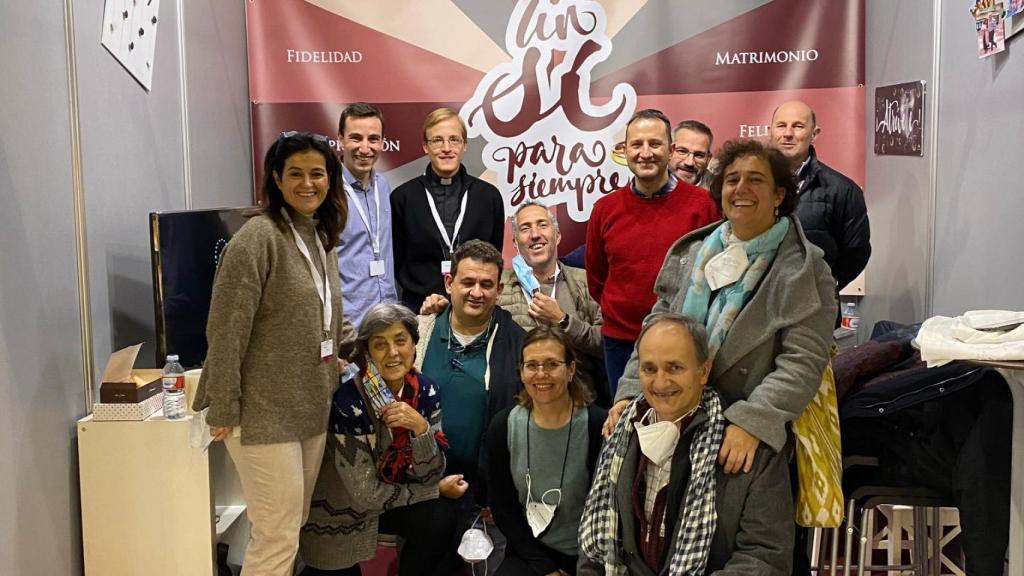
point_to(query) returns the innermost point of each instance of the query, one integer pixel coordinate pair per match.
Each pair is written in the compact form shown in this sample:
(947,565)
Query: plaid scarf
(719,314)
(599,530)
(350,415)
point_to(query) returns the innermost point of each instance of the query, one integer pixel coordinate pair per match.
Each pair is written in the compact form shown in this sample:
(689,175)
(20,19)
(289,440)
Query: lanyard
(440,225)
(375,234)
(565,458)
(323,287)
(554,286)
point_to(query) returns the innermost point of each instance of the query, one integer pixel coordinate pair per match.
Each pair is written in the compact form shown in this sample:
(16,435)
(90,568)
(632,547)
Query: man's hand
(400,414)
(452,486)
(613,417)
(738,449)
(433,304)
(545,309)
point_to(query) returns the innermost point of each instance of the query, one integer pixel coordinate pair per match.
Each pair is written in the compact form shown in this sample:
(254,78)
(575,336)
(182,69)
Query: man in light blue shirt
(365,260)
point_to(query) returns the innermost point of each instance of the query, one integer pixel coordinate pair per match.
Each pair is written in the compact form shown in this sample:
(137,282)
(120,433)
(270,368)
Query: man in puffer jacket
(831,207)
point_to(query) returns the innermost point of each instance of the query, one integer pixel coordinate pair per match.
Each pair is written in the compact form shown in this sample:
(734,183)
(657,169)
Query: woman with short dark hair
(384,459)
(767,300)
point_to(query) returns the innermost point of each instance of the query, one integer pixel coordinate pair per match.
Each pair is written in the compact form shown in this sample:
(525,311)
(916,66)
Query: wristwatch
(564,322)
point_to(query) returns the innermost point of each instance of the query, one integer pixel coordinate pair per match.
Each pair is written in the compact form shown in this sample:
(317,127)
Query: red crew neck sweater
(627,239)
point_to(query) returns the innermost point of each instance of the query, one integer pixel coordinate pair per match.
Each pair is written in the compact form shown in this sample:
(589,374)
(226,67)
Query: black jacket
(418,246)
(834,217)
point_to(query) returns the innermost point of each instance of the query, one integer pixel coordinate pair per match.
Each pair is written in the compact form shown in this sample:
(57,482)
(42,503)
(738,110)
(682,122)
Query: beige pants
(277,481)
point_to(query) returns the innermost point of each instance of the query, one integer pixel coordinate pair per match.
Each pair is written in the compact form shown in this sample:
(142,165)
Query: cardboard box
(135,411)
(145,384)
(122,384)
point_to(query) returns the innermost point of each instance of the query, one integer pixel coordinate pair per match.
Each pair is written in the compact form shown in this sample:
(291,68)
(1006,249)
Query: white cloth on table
(995,335)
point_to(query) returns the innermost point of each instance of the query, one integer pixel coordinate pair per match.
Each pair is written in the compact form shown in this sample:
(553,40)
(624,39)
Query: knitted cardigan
(349,496)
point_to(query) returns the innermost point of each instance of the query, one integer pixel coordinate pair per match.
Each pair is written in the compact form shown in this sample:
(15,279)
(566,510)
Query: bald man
(831,207)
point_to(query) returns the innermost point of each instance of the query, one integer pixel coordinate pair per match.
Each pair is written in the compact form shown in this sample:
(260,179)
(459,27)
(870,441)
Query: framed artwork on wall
(899,119)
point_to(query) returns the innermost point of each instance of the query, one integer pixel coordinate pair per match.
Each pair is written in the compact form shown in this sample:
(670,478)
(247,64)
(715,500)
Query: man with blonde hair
(440,209)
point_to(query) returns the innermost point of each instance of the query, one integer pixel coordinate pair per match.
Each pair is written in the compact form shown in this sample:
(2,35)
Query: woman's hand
(738,449)
(400,414)
(221,433)
(613,417)
(452,486)
(433,304)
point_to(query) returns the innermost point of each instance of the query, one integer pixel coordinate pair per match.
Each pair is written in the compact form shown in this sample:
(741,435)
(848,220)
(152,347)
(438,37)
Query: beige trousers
(277,481)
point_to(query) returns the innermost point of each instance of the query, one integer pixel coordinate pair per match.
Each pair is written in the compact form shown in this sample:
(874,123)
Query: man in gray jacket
(556,295)
(560,297)
(658,503)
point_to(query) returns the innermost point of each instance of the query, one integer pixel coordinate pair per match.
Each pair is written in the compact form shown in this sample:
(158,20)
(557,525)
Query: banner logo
(546,138)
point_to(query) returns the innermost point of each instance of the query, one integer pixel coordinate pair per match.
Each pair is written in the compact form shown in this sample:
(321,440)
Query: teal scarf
(719,314)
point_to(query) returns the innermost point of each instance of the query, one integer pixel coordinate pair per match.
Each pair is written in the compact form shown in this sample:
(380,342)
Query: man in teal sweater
(471,349)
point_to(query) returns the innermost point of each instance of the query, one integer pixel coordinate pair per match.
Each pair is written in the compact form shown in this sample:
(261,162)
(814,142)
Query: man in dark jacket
(472,350)
(443,207)
(831,208)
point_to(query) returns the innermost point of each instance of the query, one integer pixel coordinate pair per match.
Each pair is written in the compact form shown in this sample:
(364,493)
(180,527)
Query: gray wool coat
(770,365)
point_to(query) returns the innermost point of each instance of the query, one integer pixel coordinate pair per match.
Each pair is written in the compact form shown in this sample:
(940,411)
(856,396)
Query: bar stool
(899,519)
(864,492)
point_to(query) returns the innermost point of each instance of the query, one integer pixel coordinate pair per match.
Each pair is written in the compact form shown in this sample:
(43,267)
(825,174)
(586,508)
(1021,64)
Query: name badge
(376,268)
(327,349)
(446,267)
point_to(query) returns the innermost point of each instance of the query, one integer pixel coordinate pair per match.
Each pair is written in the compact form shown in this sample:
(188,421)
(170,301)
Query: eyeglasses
(697,155)
(437,142)
(548,366)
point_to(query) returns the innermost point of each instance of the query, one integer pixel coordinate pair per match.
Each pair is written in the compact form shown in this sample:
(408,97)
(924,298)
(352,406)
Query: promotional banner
(547,86)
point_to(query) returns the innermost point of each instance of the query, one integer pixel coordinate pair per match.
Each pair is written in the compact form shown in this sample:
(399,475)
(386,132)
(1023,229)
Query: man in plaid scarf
(659,503)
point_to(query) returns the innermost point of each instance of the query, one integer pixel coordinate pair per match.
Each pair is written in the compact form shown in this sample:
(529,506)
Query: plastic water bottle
(174,388)
(851,316)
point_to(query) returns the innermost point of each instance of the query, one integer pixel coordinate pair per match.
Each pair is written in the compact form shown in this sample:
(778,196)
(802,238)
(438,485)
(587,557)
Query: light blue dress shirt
(360,291)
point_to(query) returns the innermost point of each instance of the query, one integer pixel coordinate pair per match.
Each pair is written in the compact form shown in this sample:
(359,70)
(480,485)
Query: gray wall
(980,198)
(134,159)
(898,49)
(40,350)
(133,163)
(978,193)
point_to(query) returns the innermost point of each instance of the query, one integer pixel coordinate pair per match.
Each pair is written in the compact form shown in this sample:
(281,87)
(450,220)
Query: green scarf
(719,314)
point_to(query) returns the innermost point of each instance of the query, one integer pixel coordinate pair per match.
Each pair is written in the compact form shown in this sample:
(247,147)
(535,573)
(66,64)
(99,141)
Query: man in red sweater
(631,230)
